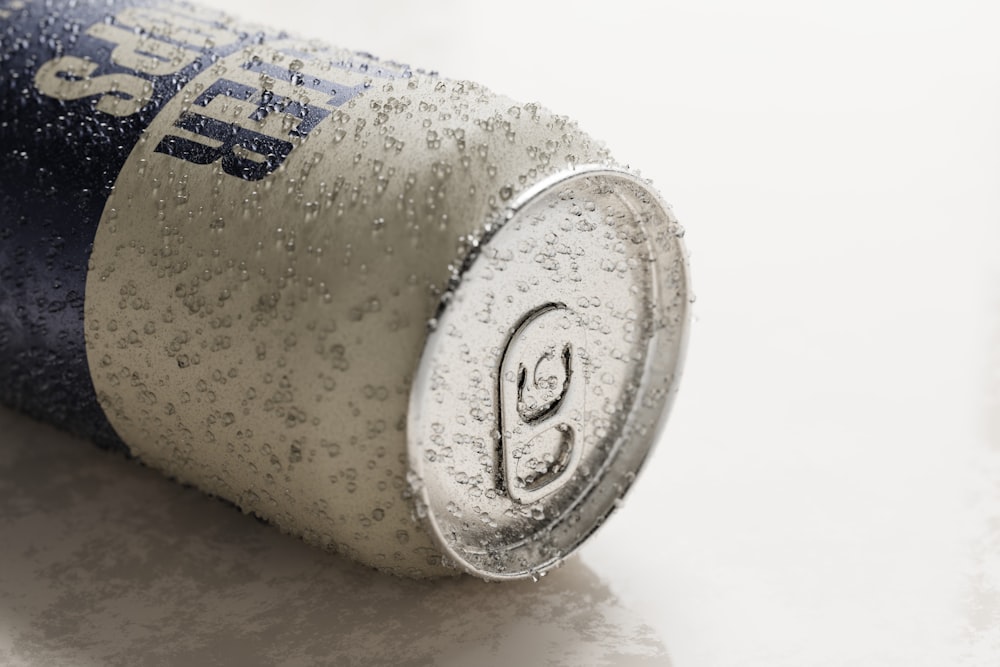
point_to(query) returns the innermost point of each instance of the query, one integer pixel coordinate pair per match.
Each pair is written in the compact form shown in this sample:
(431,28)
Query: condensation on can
(402,317)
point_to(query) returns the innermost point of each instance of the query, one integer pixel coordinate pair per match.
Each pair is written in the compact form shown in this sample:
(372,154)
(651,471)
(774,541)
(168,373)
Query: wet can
(402,317)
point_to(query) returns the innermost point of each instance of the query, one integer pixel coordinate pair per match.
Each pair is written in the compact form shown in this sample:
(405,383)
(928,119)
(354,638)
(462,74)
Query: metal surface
(549,370)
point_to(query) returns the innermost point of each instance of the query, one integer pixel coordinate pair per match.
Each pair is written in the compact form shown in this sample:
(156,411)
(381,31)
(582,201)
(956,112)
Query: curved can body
(399,316)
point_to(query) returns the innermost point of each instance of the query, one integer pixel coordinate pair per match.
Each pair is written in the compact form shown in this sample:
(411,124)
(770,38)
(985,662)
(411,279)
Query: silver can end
(549,373)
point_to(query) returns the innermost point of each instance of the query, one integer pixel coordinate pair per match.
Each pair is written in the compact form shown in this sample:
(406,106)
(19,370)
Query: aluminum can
(402,317)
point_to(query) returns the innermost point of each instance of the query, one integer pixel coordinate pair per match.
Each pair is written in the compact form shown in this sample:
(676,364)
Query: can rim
(677,345)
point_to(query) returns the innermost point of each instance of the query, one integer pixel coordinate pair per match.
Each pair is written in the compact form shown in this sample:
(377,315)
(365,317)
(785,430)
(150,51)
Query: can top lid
(549,373)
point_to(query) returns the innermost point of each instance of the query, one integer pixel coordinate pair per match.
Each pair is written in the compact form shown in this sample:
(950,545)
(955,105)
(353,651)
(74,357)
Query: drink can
(402,317)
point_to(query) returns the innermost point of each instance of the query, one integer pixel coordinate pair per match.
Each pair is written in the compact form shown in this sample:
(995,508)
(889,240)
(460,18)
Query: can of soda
(402,317)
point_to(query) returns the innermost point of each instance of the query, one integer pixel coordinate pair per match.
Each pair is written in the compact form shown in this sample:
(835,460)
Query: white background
(827,491)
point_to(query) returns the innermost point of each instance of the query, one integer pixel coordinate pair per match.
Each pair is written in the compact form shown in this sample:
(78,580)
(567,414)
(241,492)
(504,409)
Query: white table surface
(827,491)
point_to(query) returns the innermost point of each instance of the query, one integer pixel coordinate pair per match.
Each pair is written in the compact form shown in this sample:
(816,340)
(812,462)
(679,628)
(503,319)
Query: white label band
(264,270)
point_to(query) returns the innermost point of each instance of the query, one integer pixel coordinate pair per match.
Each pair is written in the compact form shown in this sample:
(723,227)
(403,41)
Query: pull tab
(541,403)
